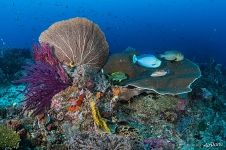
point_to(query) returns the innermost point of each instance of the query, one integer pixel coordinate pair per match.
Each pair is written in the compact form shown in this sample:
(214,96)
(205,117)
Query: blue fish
(147,60)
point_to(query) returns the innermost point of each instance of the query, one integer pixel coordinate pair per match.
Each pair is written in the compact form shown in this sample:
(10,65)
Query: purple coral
(44,79)
(44,53)
(43,83)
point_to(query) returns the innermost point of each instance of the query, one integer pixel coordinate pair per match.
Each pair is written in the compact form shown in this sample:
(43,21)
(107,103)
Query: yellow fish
(172,55)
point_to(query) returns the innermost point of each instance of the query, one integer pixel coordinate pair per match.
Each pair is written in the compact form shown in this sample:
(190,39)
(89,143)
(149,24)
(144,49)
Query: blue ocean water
(195,27)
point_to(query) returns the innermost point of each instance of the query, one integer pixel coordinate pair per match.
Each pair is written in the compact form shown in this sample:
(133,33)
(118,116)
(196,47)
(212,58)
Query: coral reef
(179,79)
(124,61)
(83,76)
(97,118)
(45,78)
(159,143)
(43,83)
(101,82)
(146,107)
(77,104)
(44,53)
(10,95)
(83,141)
(80,115)
(8,138)
(77,41)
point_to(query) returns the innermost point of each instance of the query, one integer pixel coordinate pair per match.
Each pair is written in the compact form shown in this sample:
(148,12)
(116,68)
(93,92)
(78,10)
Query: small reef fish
(160,73)
(172,55)
(147,60)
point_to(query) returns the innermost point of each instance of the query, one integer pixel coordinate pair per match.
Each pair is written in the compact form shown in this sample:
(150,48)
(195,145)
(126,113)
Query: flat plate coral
(182,74)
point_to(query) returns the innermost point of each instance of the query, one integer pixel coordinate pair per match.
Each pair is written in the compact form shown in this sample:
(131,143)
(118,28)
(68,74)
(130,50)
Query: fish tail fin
(134,58)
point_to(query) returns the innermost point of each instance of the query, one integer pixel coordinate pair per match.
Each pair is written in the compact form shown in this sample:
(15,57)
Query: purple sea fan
(43,82)
(44,53)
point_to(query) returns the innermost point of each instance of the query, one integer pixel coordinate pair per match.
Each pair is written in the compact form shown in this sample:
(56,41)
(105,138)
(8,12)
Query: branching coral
(44,53)
(45,78)
(101,82)
(43,83)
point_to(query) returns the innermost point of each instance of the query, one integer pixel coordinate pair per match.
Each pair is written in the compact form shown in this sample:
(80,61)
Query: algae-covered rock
(146,107)
(8,138)
(153,115)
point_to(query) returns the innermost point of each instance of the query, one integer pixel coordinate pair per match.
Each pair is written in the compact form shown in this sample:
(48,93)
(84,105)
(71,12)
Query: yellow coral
(97,118)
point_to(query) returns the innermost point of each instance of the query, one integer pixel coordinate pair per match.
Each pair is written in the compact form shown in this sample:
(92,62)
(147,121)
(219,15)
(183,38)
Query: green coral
(8,138)
(117,76)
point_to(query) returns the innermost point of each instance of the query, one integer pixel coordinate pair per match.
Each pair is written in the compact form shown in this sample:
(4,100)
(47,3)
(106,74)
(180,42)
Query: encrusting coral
(146,107)
(9,139)
(94,141)
(66,102)
(77,41)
